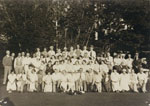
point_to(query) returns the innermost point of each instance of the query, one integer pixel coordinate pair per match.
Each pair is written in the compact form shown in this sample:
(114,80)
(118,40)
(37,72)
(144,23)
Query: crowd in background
(74,71)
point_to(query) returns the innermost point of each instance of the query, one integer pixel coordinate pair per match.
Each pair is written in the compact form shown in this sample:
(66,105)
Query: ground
(88,99)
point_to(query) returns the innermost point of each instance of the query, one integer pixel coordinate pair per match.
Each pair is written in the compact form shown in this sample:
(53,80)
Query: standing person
(92,53)
(78,52)
(13,59)
(71,52)
(51,52)
(129,61)
(44,53)
(26,61)
(7,63)
(38,53)
(18,64)
(58,54)
(136,63)
(65,53)
(85,52)
(109,61)
(103,67)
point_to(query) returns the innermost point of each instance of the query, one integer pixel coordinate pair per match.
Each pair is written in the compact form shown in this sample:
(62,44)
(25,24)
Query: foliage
(28,24)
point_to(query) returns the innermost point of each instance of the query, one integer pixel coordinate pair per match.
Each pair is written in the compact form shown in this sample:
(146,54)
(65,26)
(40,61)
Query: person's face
(38,49)
(124,71)
(7,52)
(91,48)
(58,51)
(108,54)
(45,49)
(129,56)
(13,54)
(115,71)
(141,71)
(19,54)
(132,71)
(71,48)
(28,55)
(78,47)
(22,53)
(84,48)
(51,47)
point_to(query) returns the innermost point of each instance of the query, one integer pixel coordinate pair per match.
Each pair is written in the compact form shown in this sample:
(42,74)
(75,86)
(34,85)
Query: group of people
(74,71)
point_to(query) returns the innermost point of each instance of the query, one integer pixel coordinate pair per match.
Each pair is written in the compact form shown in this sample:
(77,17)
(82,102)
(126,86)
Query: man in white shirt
(51,52)
(92,53)
(142,80)
(129,61)
(18,64)
(85,52)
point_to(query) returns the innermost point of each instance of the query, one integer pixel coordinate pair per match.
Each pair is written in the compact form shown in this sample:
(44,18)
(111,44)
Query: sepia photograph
(74,52)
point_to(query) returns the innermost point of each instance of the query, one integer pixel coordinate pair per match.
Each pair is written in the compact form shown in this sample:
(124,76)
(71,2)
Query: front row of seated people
(81,80)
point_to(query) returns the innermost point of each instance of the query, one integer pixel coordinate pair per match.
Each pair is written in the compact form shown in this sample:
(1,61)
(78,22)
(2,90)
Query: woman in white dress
(133,81)
(47,79)
(97,81)
(124,81)
(33,80)
(11,85)
(63,80)
(115,78)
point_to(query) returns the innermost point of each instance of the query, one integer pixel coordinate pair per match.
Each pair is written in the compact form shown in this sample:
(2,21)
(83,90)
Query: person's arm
(15,63)
(4,61)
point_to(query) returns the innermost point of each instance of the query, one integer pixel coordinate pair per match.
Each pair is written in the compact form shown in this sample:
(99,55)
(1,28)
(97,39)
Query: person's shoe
(9,91)
(82,92)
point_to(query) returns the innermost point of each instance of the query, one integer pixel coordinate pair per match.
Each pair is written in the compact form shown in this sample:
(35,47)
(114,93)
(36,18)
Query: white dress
(48,83)
(11,85)
(115,78)
(124,82)
(33,79)
(64,82)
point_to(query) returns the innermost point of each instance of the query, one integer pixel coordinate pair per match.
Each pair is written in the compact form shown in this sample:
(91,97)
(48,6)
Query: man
(142,80)
(65,53)
(85,52)
(129,61)
(71,52)
(44,53)
(78,51)
(26,61)
(109,61)
(51,52)
(18,64)
(92,53)
(7,63)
